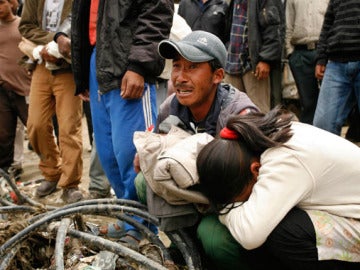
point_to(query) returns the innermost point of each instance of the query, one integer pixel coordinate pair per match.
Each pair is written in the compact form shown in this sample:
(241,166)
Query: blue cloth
(114,122)
(340,90)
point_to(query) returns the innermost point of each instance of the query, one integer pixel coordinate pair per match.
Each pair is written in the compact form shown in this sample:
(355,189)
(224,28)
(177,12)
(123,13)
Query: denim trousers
(340,90)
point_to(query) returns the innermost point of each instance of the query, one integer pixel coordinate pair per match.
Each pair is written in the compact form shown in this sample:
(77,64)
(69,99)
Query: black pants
(12,106)
(302,64)
(292,245)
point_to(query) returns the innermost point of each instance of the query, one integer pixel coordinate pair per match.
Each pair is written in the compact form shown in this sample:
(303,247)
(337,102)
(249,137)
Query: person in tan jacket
(52,92)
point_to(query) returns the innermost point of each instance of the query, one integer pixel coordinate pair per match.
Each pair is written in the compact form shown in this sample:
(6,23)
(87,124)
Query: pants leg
(69,117)
(337,95)
(161,92)
(353,132)
(275,85)
(8,120)
(114,122)
(86,108)
(291,245)
(39,124)
(258,91)
(98,181)
(221,249)
(293,242)
(19,145)
(235,80)
(302,64)
(52,94)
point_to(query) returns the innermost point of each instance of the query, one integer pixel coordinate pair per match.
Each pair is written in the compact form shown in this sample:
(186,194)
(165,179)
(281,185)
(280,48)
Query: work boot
(46,188)
(71,195)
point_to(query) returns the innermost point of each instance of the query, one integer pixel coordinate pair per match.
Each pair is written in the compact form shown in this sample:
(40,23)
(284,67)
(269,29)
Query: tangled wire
(38,236)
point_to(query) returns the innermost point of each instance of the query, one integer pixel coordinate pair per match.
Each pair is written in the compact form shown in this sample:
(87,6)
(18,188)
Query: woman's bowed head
(285,186)
(229,165)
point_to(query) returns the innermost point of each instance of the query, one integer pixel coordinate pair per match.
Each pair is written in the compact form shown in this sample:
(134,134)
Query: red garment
(92,21)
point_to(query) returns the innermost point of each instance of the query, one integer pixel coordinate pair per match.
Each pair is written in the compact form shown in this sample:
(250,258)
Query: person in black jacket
(338,65)
(115,64)
(257,30)
(206,15)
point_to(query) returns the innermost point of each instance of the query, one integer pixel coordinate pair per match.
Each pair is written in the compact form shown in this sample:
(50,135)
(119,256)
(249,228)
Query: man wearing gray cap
(200,103)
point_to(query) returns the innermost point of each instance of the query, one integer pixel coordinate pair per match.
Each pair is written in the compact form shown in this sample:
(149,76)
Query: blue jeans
(340,90)
(114,122)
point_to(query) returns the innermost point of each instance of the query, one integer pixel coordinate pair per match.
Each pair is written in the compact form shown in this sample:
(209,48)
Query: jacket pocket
(269,16)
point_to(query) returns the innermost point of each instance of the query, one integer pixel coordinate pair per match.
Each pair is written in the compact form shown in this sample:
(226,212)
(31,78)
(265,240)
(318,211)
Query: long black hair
(224,164)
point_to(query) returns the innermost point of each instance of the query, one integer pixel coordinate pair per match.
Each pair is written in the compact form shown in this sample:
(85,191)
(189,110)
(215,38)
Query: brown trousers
(257,90)
(54,94)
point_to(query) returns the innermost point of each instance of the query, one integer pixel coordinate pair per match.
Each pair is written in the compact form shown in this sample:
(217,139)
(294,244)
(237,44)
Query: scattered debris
(38,236)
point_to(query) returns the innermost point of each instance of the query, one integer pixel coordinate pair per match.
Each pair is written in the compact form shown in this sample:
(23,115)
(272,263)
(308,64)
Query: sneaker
(113,230)
(71,195)
(46,188)
(131,239)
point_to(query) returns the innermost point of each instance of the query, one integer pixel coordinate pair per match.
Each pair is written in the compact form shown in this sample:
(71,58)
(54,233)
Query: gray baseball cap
(198,46)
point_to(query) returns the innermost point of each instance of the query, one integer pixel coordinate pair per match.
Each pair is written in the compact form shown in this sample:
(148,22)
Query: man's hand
(85,96)
(64,44)
(48,57)
(132,85)
(319,71)
(262,70)
(136,163)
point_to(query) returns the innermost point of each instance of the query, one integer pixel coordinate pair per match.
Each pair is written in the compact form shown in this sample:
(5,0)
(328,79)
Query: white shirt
(314,170)
(304,19)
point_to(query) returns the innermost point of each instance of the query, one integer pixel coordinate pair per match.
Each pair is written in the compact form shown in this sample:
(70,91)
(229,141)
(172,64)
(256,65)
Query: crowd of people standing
(77,51)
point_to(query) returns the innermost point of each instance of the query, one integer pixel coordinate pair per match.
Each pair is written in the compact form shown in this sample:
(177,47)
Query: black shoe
(71,195)
(131,239)
(46,188)
(30,147)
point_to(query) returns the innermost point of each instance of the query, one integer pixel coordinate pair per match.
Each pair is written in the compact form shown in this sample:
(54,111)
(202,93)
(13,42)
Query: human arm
(153,25)
(85,96)
(319,71)
(132,85)
(322,46)
(274,194)
(30,25)
(267,42)
(262,70)
(64,44)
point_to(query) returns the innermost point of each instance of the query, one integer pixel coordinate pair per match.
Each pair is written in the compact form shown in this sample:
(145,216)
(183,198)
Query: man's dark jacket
(128,33)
